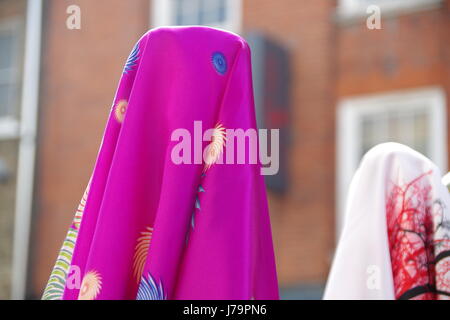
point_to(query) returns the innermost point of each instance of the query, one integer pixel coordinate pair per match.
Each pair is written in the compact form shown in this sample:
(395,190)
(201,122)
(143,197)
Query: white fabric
(362,265)
(446,180)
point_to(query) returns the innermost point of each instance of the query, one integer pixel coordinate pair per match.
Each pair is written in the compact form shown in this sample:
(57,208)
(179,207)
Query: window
(415,118)
(223,14)
(10,38)
(409,127)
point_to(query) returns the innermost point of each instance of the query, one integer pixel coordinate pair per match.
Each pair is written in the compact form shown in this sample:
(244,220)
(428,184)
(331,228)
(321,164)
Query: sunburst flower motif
(120,110)
(91,286)
(141,252)
(215,148)
(219,62)
(150,290)
(132,59)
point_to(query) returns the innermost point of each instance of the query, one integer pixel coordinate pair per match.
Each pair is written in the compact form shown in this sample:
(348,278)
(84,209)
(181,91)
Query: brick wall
(410,51)
(302,219)
(331,60)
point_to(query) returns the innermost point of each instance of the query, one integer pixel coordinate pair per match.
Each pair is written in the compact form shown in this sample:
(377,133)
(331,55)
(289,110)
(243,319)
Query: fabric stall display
(148,228)
(396,238)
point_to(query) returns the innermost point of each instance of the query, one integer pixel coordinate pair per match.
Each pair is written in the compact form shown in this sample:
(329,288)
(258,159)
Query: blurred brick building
(350,88)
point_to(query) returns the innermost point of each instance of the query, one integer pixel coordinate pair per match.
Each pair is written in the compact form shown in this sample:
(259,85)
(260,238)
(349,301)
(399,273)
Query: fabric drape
(149,228)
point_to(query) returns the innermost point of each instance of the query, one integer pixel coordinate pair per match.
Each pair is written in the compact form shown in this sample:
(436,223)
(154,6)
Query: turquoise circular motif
(219,62)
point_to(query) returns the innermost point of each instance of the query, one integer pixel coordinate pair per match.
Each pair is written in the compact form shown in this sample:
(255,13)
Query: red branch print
(419,241)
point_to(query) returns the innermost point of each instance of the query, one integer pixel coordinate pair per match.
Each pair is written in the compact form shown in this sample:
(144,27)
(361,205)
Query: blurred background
(324,73)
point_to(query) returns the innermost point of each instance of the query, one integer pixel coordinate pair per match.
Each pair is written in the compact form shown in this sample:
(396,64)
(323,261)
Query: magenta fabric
(198,235)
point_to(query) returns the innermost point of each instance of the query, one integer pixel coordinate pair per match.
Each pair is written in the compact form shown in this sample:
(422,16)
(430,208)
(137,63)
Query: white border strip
(28,127)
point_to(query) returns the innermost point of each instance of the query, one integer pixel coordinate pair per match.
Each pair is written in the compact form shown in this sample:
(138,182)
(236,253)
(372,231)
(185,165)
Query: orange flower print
(91,286)
(120,110)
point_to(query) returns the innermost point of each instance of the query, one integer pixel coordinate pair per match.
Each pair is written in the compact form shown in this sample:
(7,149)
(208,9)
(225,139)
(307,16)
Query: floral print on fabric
(215,148)
(419,239)
(219,62)
(141,252)
(149,289)
(132,59)
(120,110)
(91,286)
(57,282)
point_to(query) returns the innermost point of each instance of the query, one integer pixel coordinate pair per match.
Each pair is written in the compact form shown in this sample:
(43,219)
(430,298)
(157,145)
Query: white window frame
(27,147)
(9,125)
(163,14)
(349,9)
(349,136)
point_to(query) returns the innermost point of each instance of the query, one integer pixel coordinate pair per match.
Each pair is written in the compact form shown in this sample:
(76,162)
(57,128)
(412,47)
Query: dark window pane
(409,127)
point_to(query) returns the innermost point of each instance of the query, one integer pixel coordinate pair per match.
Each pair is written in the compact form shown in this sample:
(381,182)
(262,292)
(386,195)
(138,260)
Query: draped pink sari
(148,228)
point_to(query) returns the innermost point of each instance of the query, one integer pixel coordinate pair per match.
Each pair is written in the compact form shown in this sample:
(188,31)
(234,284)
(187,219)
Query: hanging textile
(149,228)
(396,238)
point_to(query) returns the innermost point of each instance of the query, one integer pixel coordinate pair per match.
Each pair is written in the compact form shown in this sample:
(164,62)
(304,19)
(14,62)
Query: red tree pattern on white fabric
(419,241)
